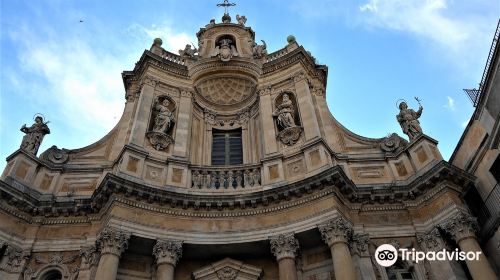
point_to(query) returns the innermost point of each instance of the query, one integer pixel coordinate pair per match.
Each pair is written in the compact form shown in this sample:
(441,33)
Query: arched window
(227,148)
(400,271)
(51,275)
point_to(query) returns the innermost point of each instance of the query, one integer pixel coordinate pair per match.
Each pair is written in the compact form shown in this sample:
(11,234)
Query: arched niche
(287,118)
(162,122)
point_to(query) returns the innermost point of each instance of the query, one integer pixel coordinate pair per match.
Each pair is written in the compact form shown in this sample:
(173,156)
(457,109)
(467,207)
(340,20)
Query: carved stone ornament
(90,256)
(431,241)
(15,259)
(41,264)
(241,20)
(284,246)
(227,273)
(226,90)
(167,251)
(259,51)
(334,231)
(408,119)
(461,226)
(112,241)
(290,135)
(359,244)
(225,50)
(392,143)
(159,140)
(55,155)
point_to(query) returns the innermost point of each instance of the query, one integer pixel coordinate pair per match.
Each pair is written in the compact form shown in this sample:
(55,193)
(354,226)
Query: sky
(64,58)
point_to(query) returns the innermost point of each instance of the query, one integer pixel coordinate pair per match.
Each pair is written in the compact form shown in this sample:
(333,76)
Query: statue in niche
(284,113)
(289,131)
(225,49)
(163,121)
(188,51)
(164,117)
(408,119)
(34,135)
(241,20)
(259,51)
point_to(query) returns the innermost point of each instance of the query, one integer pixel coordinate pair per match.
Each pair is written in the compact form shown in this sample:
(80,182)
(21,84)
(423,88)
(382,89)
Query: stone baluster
(238,179)
(432,241)
(213,179)
(462,228)
(167,253)
(361,256)
(337,233)
(111,243)
(13,263)
(284,247)
(256,177)
(230,179)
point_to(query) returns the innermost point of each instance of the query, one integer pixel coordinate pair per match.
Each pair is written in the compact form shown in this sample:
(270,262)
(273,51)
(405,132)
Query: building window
(227,148)
(495,169)
(399,271)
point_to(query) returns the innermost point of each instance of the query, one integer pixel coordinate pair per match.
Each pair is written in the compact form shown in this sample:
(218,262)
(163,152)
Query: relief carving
(55,155)
(168,251)
(461,226)
(112,241)
(284,246)
(393,143)
(337,230)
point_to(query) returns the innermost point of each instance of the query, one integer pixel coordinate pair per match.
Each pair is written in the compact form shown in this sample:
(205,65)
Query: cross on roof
(226,4)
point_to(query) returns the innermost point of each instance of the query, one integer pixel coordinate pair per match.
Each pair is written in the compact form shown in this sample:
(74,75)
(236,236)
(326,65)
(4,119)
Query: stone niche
(228,269)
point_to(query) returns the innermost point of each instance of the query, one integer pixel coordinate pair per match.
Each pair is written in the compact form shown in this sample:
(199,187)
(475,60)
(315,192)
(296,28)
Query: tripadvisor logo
(387,255)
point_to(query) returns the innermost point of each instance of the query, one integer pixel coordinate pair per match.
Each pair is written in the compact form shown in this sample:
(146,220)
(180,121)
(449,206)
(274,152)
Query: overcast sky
(64,58)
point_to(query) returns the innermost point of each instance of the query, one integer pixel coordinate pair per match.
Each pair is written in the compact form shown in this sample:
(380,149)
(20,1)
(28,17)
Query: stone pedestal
(112,243)
(167,253)
(336,233)
(463,227)
(284,247)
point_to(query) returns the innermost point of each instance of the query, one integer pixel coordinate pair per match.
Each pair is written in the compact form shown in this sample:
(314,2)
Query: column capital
(15,259)
(336,230)
(167,251)
(359,244)
(89,255)
(460,226)
(112,241)
(284,246)
(431,240)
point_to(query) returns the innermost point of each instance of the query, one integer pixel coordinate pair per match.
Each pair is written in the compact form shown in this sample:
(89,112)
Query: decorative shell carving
(55,155)
(226,90)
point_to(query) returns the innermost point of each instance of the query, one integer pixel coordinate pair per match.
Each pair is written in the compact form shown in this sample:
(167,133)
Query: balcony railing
(277,54)
(234,177)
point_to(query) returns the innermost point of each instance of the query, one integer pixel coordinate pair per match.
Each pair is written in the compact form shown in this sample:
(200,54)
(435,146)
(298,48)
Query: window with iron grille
(227,148)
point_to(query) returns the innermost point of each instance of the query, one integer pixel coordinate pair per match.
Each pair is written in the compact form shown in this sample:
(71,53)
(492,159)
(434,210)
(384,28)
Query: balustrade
(225,177)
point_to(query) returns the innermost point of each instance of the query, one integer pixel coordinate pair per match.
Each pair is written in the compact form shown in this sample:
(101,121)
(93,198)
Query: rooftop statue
(34,135)
(408,119)
(188,51)
(241,20)
(259,51)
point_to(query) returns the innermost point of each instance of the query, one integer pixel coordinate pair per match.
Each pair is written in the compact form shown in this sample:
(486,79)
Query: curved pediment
(228,269)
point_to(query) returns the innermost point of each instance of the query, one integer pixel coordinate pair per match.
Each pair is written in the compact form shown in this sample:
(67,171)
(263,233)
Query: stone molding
(14,259)
(431,240)
(112,241)
(167,251)
(284,246)
(335,231)
(359,244)
(462,225)
(228,269)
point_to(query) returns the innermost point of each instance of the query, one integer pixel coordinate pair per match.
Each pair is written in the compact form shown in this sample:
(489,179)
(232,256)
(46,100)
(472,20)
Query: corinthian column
(112,243)
(462,228)
(284,247)
(337,233)
(167,254)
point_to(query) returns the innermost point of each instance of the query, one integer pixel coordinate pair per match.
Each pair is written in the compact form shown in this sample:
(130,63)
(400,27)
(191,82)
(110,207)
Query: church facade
(227,164)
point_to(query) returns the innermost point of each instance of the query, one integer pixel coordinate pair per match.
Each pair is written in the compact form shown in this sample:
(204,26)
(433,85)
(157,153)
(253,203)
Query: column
(462,228)
(284,247)
(13,263)
(336,233)
(432,241)
(112,243)
(266,114)
(361,257)
(183,124)
(143,111)
(89,257)
(306,105)
(167,253)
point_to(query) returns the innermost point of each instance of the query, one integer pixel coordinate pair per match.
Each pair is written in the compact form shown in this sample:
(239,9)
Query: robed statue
(164,117)
(408,119)
(284,113)
(34,135)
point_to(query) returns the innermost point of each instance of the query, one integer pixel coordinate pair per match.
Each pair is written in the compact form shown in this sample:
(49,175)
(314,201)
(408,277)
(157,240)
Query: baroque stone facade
(227,164)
